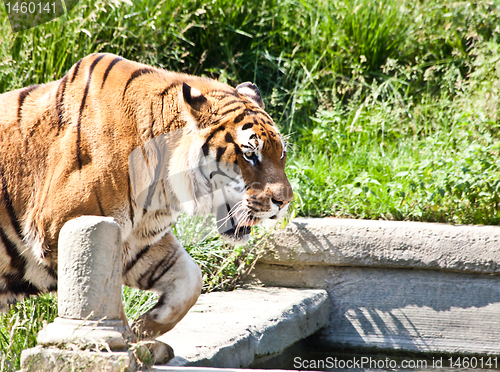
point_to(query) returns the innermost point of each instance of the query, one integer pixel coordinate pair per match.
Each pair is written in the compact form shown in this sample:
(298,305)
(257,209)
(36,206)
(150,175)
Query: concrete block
(397,309)
(346,242)
(89,286)
(230,329)
(85,333)
(89,269)
(41,359)
(419,287)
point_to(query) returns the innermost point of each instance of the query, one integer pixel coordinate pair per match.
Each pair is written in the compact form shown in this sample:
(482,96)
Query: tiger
(121,139)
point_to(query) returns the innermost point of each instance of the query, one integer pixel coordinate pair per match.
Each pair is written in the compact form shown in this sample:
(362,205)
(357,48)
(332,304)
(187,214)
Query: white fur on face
(249,142)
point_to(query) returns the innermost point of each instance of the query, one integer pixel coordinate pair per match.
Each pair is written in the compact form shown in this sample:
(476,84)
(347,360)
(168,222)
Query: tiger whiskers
(238,207)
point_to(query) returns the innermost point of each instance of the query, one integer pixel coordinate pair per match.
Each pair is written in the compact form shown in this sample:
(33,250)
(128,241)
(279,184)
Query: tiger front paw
(153,352)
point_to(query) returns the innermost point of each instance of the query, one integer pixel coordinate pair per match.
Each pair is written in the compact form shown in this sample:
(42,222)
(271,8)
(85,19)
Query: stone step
(394,244)
(232,329)
(406,286)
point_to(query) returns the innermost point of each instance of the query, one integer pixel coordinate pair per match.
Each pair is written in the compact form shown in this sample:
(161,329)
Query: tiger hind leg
(167,269)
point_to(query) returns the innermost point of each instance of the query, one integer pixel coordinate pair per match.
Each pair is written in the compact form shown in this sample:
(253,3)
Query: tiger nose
(280,193)
(279,203)
(282,199)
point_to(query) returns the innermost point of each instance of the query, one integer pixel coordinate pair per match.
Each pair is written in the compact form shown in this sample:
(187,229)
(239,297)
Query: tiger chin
(140,144)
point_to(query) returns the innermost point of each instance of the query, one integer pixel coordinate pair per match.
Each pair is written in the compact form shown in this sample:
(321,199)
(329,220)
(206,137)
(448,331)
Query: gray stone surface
(41,359)
(395,285)
(346,242)
(89,269)
(89,286)
(229,329)
(111,333)
(397,309)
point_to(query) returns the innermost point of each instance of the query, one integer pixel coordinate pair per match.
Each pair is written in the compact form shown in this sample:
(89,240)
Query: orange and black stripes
(22,96)
(137,257)
(220,151)
(152,118)
(229,139)
(135,75)
(162,95)
(82,107)
(230,110)
(157,171)
(108,69)
(82,130)
(130,206)
(8,205)
(101,211)
(60,102)
(168,88)
(239,118)
(148,279)
(221,94)
(206,145)
(15,282)
(75,71)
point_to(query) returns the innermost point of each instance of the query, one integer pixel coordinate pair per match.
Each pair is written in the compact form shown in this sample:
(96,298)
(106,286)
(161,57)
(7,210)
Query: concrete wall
(395,285)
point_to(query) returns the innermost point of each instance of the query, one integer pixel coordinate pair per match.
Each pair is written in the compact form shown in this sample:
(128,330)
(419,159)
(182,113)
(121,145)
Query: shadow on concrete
(420,310)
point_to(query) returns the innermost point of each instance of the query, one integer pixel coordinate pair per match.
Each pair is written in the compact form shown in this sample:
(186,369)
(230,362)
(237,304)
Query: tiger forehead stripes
(139,144)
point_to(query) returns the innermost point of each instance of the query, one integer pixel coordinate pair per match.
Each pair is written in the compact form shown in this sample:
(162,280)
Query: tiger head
(236,157)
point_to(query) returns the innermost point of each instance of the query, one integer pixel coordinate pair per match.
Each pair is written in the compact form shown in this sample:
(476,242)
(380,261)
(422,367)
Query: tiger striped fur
(139,144)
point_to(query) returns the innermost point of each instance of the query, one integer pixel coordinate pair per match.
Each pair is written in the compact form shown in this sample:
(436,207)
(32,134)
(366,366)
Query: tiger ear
(251,91)
(193,97)
(196,104)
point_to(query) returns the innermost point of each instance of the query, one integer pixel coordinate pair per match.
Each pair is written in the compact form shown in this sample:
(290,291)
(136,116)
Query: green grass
(392,107)
(384,155)
(19,328)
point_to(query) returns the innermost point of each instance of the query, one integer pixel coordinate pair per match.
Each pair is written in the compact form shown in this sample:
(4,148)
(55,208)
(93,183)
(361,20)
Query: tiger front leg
(167,269)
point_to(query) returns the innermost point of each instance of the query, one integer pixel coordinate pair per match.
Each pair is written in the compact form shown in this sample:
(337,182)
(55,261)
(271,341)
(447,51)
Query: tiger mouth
(241,229)
(238,232)
(238,229)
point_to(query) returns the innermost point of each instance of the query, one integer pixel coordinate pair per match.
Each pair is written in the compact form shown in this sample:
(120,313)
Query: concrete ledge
(345,242)
(407,286)
(231,329)
(43,359)
(393,309)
